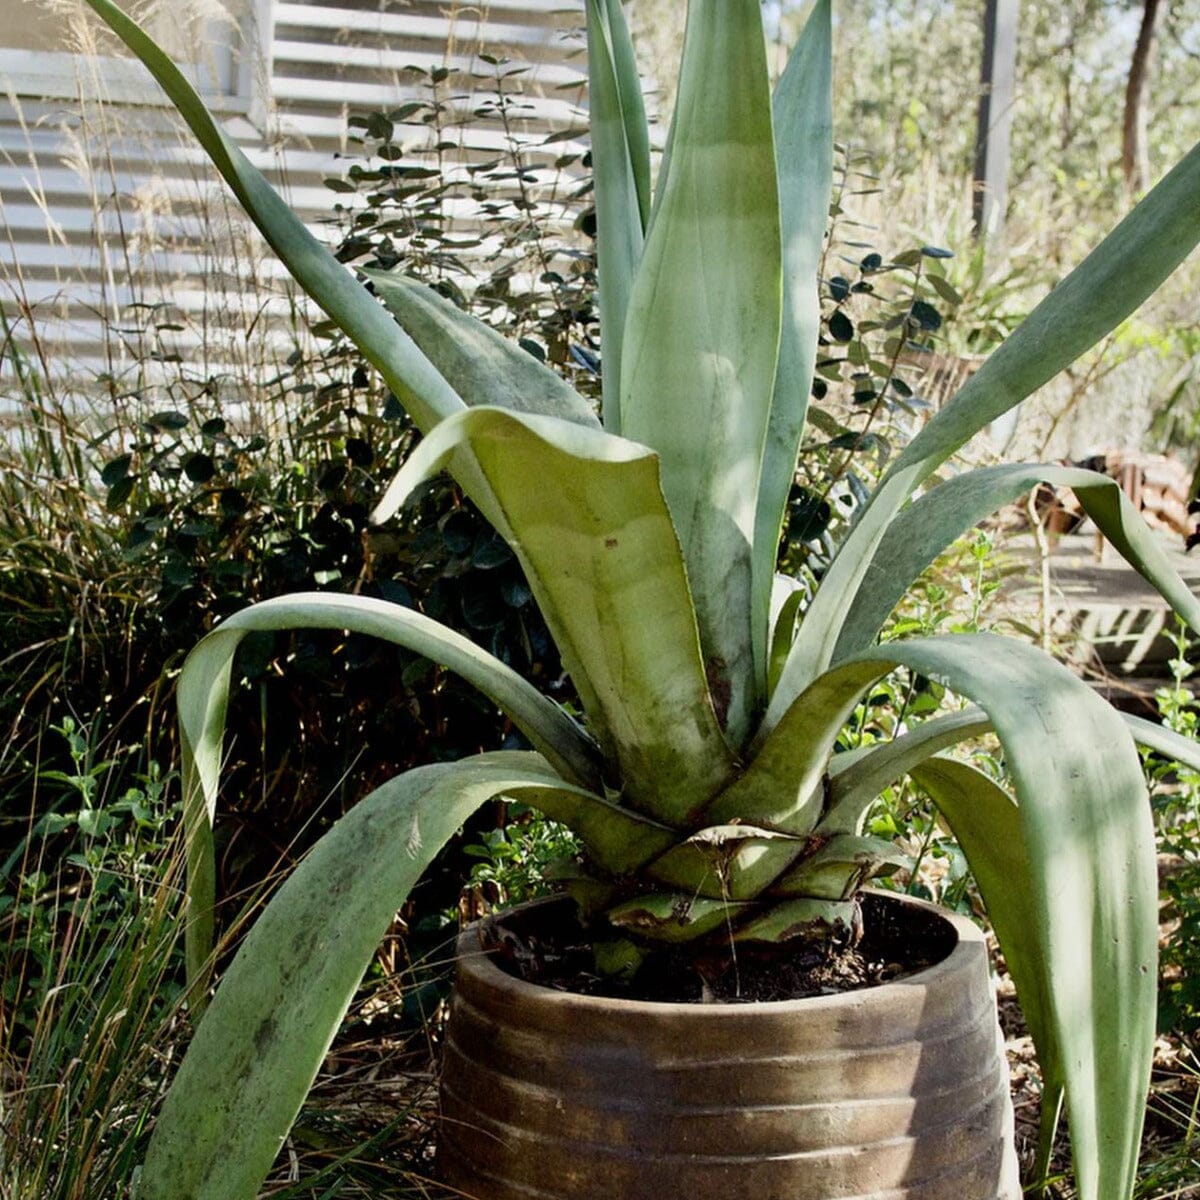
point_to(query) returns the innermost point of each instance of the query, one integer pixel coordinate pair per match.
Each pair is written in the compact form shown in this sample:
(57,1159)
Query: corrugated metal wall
(117,247)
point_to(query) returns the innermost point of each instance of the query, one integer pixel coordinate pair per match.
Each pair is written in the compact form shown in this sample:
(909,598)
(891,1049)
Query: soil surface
(895,942)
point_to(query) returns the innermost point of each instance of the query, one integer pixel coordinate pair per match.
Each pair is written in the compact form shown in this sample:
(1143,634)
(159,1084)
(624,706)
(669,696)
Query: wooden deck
(1115,619)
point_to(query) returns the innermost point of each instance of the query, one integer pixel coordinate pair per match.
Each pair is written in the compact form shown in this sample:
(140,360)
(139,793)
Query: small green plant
(92,1001)
(517,859)
(704,783)
(1175,794)
(116,834)
(92,851)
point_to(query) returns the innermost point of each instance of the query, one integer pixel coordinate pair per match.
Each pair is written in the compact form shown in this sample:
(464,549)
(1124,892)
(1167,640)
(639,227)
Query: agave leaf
(987,824)
(1164,741)
(727,862)
(803,114)
(618,840)
(788,598)
(203,693)
(601,556)
(258,1048)
(674,917)
(924,529)
(1087,842)
(802,919)
(411,376)
(857,779)
(202,698)
(486,367)
(621,165)
(1091,302)
(783,786)
(840,867)
(719,837)
(743,862)
(702,336)
(1127,266)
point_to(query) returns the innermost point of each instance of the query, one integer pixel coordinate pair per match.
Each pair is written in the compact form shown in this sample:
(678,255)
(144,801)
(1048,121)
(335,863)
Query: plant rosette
(703,781)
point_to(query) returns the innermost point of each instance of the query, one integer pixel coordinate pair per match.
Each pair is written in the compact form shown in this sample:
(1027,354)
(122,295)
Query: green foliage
(516,860)
(1175,793)
(83,1080)
(883,313)
(125,532)
(111,837)
(90,971)
(202,516)
(86,857)
(520,268)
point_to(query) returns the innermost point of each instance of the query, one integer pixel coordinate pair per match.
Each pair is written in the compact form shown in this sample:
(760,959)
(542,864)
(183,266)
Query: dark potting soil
(548,947)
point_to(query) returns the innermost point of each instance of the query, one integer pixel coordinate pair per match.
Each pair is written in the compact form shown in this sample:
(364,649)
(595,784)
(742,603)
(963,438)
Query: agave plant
(703,781)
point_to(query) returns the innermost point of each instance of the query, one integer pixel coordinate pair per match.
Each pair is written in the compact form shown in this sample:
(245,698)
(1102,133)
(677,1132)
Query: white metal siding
(104,207)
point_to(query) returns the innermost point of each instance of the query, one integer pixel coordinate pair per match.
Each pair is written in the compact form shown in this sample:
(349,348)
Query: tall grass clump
(92,1011)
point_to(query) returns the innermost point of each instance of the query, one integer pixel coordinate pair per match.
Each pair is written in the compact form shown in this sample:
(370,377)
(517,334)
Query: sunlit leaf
(702,336)
(1087,842)
(621,165)
(933,522)
(602,558)
(855,785)
(486,367)
(803,116)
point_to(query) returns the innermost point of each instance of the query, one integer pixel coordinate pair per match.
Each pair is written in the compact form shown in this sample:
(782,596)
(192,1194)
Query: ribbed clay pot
(896,1092)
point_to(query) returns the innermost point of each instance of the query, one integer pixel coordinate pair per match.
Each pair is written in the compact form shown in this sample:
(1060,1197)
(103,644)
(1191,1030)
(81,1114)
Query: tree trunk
(1135,154)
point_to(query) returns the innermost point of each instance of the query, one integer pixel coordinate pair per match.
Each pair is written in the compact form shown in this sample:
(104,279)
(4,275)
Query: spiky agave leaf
(621,165)
(1087,929)
(487,368)
(257,1049)
(702,336)
(932,523)
(600,553)
(802,108)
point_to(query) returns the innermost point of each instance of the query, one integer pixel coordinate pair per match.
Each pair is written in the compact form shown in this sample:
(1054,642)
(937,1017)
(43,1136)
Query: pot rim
(472,959)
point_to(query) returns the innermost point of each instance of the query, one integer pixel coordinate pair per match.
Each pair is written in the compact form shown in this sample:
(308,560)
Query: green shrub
(1175,794)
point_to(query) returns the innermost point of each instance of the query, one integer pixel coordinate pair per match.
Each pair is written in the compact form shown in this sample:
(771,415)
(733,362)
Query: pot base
(898,1092)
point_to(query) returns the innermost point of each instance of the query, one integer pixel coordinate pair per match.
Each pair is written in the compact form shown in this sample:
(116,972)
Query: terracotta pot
(897,1091)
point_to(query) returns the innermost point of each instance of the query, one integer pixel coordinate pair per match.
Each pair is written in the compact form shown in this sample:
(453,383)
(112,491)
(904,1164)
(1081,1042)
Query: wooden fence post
(996,91)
